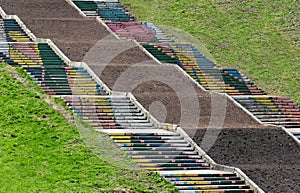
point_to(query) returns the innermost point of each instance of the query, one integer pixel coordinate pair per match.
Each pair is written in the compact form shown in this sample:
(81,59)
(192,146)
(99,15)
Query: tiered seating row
(108,112)
(88,7)
(151,148)
(48,69)
(119,21)
(139,31)
(163,53)
(11,31)
(108,10)
(169,152)
(203,71)
(274,110)
(160,36)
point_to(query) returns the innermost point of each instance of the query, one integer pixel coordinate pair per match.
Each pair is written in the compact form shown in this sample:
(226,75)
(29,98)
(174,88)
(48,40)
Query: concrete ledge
(151,118)
(2,13)
(56,50)
(288,131)
(77,8)
(19,21)
(244,109)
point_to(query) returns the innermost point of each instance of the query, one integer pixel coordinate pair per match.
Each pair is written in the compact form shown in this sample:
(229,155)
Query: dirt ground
(267,155)
(57,20)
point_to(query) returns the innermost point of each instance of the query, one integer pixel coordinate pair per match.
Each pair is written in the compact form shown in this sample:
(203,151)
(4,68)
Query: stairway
(108,10)
(108,112)
(11,31)
(213,182)
(49,70)
(274,110)
(152,148)
(139,31)
(203,71)
(89,8)
(196,65)
(173,157)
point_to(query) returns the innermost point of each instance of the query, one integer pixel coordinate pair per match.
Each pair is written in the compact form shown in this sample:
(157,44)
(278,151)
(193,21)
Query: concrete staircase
(48,69)
(11,31)
(203,71)
(152,148)
(139,31)
(107,10)
(168,152)
(274,110)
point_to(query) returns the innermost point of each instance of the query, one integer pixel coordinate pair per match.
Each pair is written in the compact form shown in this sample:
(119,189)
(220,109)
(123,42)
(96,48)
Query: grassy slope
(39,151)
(260,38)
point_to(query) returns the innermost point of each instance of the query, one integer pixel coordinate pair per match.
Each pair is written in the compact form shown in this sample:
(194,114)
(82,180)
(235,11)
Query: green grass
(260,38)
(41,152)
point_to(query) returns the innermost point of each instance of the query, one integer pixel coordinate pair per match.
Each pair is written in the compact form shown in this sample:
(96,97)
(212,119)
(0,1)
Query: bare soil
(267,155)
(60,22)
